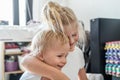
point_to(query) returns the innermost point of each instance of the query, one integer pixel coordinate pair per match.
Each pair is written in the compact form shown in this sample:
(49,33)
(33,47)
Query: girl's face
(72,33)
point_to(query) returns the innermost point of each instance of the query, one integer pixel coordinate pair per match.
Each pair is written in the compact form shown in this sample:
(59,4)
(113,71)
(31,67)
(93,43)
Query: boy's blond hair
(47,38)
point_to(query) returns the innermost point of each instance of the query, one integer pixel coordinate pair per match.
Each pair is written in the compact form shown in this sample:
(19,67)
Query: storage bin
(11,66)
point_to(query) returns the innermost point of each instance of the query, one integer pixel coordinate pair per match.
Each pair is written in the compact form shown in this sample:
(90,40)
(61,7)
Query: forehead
(73,27)
(56,45)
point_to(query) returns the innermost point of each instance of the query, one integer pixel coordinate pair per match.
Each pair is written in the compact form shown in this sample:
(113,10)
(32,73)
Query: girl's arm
(34,65)
(82,74)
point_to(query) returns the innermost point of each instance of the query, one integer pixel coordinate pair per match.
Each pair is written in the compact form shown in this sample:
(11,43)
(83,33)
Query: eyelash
(59,55)
(74,34)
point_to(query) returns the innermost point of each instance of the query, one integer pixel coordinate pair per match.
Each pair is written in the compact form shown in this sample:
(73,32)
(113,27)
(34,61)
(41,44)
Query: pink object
(11,66)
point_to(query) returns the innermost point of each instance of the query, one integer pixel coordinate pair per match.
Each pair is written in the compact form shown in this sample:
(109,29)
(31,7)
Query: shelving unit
(102,30)
(14,72)
(112,56)
(9,53)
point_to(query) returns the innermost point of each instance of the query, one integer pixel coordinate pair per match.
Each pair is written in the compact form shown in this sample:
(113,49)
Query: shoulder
(77,50)
(76,56)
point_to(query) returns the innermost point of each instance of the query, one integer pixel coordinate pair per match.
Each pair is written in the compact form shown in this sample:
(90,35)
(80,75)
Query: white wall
(89,9)
(38,5)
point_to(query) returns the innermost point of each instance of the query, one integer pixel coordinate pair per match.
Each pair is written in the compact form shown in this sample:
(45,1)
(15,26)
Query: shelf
(6,53)
(14,72)
(13,53)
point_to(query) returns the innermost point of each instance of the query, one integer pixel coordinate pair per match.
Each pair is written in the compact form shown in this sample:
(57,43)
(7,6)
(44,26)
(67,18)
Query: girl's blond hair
(57,17)
(46,38)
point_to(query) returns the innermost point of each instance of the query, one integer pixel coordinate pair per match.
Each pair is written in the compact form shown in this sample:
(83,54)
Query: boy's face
(56,55)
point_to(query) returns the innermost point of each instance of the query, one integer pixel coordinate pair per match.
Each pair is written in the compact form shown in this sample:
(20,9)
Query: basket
(11,66)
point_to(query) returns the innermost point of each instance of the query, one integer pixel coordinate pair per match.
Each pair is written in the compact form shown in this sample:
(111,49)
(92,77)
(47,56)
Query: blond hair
(46,38)
(57,16)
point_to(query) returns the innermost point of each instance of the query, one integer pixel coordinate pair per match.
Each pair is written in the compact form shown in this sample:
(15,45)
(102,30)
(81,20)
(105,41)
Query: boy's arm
(82,74)
(34,65)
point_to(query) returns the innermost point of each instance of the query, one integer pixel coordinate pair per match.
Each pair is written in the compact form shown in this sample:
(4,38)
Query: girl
(64,20)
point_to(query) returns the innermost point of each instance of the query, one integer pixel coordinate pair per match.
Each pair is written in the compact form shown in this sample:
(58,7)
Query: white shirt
(75,61)
(29,76)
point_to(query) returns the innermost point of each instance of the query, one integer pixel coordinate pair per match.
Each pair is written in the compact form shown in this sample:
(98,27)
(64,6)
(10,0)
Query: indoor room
(29,29)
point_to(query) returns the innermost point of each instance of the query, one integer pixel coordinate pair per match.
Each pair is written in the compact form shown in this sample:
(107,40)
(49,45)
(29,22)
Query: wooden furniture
(8,53)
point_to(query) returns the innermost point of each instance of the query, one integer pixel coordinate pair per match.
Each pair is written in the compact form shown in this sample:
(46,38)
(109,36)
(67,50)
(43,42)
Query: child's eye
(59,55)
(74,34)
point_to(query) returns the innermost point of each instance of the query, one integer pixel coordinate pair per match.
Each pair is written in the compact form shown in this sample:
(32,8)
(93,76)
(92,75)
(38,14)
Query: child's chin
(59,68)
(72,48)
